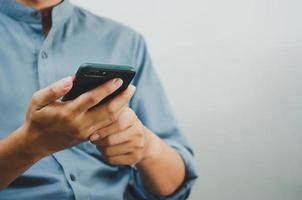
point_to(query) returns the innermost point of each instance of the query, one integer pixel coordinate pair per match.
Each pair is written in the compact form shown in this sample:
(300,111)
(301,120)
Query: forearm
(164,171)
(14,159)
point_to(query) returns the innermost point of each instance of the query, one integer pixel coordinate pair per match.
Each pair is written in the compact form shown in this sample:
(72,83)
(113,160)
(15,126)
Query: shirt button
(35,14)
(44,55)
(72,177)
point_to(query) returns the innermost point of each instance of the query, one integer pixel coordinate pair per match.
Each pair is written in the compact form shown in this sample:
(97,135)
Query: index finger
(91,98)
(118,102)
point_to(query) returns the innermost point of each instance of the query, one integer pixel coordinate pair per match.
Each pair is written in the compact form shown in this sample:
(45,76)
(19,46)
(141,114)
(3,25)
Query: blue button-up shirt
(30,61)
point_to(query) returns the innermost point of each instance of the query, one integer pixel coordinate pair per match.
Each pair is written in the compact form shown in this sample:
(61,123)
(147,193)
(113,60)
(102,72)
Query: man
(136,149)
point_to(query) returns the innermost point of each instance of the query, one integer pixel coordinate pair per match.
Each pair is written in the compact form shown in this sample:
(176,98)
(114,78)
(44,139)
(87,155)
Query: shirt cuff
(184,190)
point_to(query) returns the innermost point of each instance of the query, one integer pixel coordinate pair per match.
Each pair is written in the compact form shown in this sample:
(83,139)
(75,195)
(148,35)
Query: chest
(29,61)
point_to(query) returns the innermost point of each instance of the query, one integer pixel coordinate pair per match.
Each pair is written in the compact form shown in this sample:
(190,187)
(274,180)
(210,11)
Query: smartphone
(91,75)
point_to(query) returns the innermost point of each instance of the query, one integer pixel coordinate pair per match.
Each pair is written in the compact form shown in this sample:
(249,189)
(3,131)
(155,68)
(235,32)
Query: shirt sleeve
(152,108)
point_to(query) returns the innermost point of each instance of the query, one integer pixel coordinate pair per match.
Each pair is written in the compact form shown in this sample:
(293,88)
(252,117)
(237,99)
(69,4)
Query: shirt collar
(60,13)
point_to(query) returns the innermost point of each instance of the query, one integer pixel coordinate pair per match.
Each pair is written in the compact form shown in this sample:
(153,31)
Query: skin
(51,126)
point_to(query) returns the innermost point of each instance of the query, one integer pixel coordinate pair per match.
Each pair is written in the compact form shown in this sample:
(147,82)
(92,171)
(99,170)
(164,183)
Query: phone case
(91,75)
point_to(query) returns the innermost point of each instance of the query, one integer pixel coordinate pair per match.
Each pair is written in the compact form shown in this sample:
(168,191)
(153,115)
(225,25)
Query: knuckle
(90,99)
(52,90)
(68,109)
(132,149)
(110,107)
(110,141)
(119,126)
(113,117)
(35,97)
(67,114)
(138,146)
(140,138)
(64,116)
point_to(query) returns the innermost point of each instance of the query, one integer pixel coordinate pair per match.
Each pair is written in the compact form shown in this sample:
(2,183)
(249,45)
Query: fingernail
(118,82)
(66,82)
(94,137)
(133,88)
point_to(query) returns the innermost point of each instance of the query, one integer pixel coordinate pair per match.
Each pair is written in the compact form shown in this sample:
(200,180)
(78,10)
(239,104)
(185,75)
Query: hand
(126,141)
(51,125)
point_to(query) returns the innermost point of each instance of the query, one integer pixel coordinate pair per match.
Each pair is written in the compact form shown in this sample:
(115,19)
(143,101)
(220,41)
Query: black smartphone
(91,75)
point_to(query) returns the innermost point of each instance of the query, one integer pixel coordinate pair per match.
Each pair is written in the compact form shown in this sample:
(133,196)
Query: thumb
(51,93)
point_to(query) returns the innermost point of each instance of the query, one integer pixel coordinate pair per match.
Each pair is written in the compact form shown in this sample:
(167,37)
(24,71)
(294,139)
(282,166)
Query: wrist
(26,145)
(153,148)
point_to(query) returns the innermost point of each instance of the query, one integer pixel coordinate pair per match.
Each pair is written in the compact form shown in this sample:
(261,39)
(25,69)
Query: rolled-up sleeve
(151,106)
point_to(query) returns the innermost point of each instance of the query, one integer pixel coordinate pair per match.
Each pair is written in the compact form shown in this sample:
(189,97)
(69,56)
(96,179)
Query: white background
(232,71)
